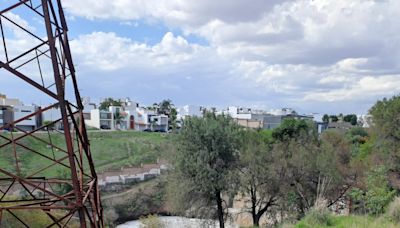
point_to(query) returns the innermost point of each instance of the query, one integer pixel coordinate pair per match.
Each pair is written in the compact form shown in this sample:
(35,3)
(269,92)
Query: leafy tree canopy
(208,155)
(292,129)
(386,117)
(351,118)
(109,102)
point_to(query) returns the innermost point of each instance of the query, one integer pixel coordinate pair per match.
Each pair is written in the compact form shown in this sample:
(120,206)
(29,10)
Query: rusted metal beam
(84,198)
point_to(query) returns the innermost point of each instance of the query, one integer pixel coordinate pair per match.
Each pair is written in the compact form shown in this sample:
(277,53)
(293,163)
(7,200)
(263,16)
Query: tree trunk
(253,207)
(260,213)
(220,209)
(256,219)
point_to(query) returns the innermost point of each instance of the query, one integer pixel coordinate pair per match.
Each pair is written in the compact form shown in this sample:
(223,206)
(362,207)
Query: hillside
(110,150)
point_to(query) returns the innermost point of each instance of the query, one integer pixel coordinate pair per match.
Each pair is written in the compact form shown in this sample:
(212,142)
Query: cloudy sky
(314,56)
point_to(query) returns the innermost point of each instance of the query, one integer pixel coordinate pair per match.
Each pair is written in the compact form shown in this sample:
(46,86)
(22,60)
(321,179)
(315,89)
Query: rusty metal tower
(47,171)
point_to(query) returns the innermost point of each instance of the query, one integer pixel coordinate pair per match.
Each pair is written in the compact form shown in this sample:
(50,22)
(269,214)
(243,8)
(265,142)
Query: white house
(128,116)
(21,111)
(101,119)
(189,110)
(146,119)
(13,109)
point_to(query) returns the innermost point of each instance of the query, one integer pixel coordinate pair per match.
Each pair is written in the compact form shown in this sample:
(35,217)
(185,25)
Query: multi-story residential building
(13,109)
(101,119)
(29,124)
(87,107)
(128,116)
(246,117)
(149,120)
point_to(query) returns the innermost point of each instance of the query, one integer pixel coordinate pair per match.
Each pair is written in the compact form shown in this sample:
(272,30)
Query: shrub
(393,211)
(377,195)
(151,221)
(318,216)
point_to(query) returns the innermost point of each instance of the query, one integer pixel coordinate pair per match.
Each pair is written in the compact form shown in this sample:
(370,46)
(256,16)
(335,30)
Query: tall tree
(207,157)
(258,180)
(385,118)
(301,160)
(166,107)
(386,127)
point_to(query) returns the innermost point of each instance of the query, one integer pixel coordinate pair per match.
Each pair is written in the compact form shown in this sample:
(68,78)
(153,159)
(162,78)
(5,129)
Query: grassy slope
(34,218)
(353,222)
(116,149)
(110,150)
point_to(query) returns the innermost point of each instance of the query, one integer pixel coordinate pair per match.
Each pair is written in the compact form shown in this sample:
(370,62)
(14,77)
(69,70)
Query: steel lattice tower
(49,170)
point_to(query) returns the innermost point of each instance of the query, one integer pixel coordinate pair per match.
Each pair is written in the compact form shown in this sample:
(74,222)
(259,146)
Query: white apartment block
(13,109)
(29,124)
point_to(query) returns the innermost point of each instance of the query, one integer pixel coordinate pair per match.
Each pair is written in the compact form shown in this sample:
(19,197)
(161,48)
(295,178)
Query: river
(178,222)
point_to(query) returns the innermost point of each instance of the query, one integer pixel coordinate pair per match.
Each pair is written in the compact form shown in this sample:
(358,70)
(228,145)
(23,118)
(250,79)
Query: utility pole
(52,168)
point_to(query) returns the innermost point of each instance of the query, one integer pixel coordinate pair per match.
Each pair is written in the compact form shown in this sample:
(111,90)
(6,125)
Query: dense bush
(377,195)
(318,217)
(393,211)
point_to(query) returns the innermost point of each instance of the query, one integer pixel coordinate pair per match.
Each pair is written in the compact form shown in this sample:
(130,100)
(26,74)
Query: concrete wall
(249,123)
(94,120)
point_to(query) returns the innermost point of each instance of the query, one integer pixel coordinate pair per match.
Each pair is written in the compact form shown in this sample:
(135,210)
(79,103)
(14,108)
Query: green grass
(117,149)
(110,151)
(34,218)
(352,222)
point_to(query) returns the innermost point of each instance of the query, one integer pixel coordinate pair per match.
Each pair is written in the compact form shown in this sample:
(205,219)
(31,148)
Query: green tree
(293,129)
(118,117)
(301,160)
(258,180)
(207,157)
(386,127)
(333,118)
(377,194)
(166,107)
(325,118)
(109,102)
(385,118)
(351,118)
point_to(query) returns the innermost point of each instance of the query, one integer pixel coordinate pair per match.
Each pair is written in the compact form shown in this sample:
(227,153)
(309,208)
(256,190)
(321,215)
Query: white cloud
(365,87)
(107,51)
(301,50)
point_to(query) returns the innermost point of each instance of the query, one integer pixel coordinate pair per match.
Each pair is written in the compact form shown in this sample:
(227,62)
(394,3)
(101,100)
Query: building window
(26,111)
(105,115)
